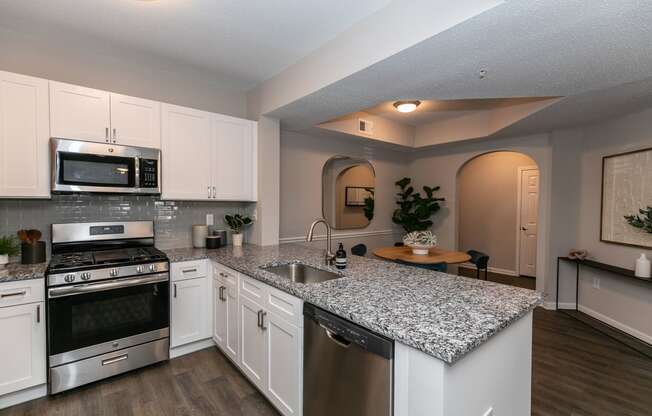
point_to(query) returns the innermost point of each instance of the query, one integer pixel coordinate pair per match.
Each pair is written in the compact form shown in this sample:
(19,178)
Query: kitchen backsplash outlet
(173,220)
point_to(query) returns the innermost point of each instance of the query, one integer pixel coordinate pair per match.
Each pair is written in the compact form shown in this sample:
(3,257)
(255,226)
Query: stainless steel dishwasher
(347,369)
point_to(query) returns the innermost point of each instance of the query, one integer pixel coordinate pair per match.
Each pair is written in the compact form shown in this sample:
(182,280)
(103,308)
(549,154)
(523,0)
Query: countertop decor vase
(642,267)
(32,253)
(237,239)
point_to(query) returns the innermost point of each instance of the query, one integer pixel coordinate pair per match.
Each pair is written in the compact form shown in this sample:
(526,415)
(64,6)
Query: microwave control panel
(148,173)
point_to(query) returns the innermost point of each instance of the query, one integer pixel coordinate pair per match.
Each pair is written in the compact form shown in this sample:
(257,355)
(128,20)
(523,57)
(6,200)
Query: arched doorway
(497,213)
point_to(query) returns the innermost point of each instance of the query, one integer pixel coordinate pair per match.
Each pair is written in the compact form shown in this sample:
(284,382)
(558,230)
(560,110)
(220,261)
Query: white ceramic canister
(199,233)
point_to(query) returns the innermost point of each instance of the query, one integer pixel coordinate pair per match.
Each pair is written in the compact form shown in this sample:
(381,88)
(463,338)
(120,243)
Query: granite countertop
(14,272)
(442,315)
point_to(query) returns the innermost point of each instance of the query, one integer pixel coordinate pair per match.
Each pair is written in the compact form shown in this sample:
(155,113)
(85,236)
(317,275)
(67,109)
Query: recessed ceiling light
(406,106)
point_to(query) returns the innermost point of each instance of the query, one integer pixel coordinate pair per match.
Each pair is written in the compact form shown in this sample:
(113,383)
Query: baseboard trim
(340,236)
(190,348)
(616,324)
(497,270)
(22,396)
(562,305)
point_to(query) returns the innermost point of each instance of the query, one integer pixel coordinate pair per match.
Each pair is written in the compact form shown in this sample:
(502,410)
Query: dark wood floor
(577,371)
(520,281)
(202,383)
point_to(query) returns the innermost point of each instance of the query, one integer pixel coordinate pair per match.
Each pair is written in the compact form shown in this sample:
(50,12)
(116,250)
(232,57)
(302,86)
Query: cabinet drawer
(253,289)
(285,306)
(24,291)
(188,270)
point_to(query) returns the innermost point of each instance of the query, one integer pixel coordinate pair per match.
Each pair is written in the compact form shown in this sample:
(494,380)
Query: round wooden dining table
(435,255)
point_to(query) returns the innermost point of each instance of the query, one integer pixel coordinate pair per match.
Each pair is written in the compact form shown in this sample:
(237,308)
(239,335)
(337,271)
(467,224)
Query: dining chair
(359,250)
(481,262)
(438,267)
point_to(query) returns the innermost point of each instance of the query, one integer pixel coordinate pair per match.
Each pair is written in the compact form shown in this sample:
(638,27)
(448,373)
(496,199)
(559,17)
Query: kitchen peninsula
(456,339)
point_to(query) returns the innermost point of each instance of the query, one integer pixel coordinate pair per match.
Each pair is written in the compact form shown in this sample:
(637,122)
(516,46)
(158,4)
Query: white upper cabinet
(88,114)
(207,156)
(186,135)
(235,158)
(79,113)
(24,135)
(135,121)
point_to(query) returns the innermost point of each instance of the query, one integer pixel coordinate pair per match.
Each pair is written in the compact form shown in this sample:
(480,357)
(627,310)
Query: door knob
(523,228)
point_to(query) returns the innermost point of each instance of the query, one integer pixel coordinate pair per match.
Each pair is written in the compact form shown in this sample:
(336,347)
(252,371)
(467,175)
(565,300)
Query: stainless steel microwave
(79,166)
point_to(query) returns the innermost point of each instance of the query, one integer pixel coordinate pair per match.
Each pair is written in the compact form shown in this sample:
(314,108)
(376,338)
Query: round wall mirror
(348,187)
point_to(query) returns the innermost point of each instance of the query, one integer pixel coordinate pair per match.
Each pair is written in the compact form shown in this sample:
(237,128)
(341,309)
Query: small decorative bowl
(419,249)
(420,242)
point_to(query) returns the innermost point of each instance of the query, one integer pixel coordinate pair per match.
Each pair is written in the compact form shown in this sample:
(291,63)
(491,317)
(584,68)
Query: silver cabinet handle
(8,295)
(106,134)
(222,297)
(259,318)
(114,136)
(189,270)
(209,191)
(214,193)
(175,290)
(115,359)
(38,314)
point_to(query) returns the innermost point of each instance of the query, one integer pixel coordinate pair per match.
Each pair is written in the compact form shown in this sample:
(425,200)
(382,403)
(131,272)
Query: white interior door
(528,221)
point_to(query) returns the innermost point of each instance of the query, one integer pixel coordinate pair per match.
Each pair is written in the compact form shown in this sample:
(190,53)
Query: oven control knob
(69,278)
(113,273)
(86,276)
(140,269)
(152,267)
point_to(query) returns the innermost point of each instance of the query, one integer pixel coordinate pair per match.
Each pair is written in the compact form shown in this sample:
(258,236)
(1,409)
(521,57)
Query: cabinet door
(232,333)
(24,136)
(79,112)
(189,311)
(234,148)
(23,359)
(185,150)
(220,312)
(253,341)
(284,366)
(135,121)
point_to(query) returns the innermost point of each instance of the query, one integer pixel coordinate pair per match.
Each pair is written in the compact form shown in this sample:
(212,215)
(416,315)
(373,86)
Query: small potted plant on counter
(8,247)
(420,241)
(237,223)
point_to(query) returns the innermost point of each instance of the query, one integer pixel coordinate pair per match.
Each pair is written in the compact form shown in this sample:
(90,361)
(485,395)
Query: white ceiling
(528,48)
(245,41)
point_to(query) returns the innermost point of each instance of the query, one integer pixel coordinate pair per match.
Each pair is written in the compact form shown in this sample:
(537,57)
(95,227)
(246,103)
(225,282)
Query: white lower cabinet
(269,348)
(225,313)
(190,316)
(284,351)
(22,329)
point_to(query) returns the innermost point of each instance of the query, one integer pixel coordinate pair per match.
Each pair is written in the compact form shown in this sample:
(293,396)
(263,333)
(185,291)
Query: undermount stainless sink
(302,273)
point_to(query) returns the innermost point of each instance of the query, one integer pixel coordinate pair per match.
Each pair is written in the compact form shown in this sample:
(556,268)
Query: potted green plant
(237,223)
(420,241)
(8,247)
(414,211)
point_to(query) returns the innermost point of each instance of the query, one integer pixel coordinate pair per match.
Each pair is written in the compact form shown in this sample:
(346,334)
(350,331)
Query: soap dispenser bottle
(340,257)
(643,267)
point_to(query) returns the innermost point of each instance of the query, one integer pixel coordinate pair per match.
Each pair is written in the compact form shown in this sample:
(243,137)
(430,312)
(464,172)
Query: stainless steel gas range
(107,302)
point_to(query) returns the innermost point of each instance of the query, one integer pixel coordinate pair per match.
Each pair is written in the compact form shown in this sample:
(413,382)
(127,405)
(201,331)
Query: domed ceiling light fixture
(406,106)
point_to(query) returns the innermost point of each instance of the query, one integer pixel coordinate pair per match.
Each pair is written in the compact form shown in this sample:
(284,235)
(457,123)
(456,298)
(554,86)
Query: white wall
(118,71)
(302,159)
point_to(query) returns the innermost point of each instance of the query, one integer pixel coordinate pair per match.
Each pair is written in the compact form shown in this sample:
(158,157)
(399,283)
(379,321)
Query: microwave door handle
(99,287)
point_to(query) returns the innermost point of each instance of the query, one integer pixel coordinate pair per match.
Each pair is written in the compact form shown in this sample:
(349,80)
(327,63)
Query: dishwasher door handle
(338,339)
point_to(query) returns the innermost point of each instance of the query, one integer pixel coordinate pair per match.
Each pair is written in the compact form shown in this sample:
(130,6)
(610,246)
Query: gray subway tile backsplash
(173,220)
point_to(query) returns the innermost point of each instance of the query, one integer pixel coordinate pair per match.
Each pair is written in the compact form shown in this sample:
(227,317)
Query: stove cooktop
(118,257)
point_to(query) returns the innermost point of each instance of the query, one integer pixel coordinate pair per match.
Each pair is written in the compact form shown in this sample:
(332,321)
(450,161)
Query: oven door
(91,319)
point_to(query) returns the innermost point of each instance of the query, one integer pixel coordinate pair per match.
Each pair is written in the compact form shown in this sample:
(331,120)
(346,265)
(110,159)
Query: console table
(635,343)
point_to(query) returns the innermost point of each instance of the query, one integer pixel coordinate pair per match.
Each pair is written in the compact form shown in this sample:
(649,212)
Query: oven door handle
(99,287)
